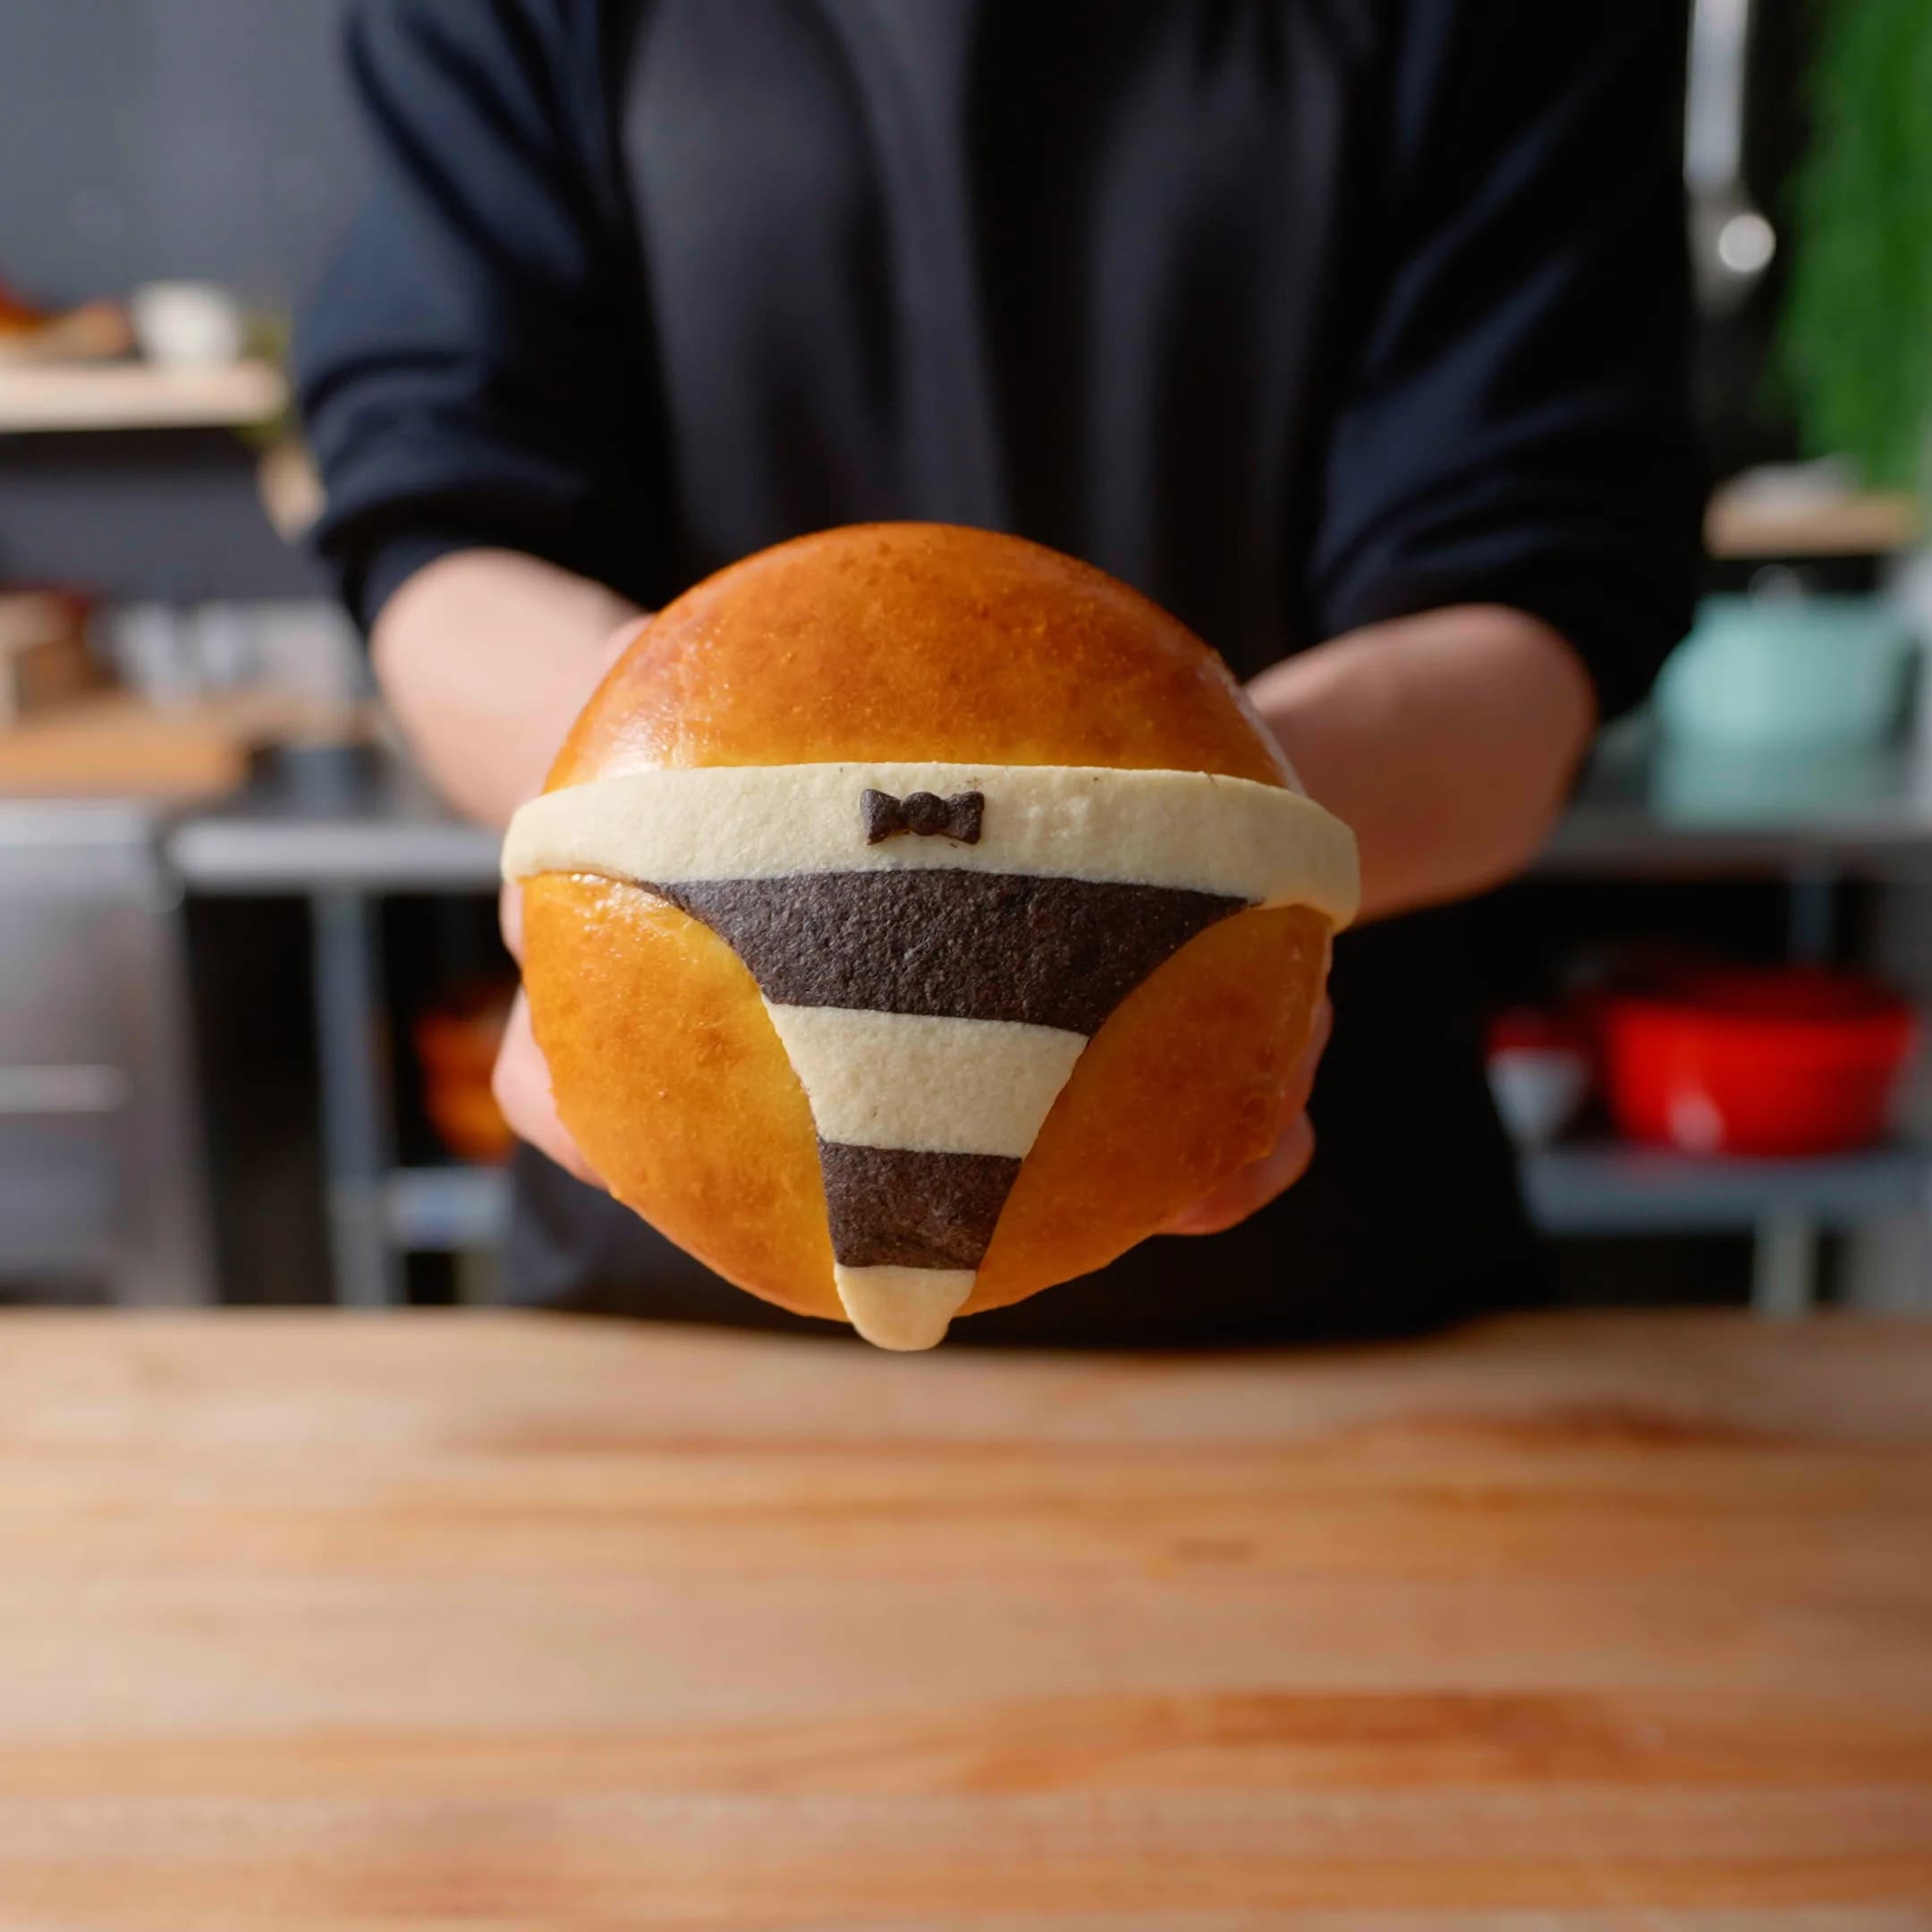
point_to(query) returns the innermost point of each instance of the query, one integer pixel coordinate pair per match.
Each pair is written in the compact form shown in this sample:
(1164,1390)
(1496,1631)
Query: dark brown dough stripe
(891,1208)
(951,942)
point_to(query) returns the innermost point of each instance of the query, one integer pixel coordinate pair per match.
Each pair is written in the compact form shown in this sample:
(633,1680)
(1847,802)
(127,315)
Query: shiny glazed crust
(891,642)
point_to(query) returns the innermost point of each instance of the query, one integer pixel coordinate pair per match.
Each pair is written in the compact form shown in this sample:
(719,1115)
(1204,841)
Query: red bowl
(456,1044)
(1790,1061)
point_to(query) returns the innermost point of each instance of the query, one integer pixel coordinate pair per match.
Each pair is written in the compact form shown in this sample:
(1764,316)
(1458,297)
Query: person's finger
(1302,1080)
(1252,1187)
(1258,1183)
(522,1084)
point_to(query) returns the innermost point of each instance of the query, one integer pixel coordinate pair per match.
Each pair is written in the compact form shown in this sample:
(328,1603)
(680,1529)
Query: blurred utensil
(1540,1073)
(1733,241)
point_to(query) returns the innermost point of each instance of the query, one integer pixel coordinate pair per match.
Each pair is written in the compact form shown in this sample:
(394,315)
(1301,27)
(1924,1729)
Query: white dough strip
(932,1086)
(1194,830)
(902,1307)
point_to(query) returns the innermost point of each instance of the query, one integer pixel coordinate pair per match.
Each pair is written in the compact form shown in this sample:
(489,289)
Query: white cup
(187,324)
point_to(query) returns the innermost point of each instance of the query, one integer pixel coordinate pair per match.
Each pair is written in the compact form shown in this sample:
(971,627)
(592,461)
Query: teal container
(1809,673)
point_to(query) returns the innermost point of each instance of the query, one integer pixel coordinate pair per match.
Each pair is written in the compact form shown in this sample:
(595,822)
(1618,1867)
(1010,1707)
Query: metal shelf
(369,827)
(446,1210)
(1658,811)
(1580,1190)
(1610,1190)
(234,854)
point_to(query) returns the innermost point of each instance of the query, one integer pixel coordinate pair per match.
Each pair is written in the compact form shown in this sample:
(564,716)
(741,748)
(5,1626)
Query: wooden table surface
(507,1623)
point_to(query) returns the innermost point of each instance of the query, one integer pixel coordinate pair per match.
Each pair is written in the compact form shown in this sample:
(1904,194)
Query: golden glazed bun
(907,645)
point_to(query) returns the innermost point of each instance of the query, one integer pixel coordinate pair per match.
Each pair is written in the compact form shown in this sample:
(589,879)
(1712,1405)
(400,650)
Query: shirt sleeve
(1518,428)
(467,369)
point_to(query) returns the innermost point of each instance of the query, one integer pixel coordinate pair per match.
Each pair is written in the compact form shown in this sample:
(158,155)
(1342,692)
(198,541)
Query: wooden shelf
(42,400)
(1741,525)
(113,745)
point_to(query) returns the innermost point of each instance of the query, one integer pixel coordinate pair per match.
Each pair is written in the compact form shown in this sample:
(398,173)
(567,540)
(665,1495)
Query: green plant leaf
(1855,340)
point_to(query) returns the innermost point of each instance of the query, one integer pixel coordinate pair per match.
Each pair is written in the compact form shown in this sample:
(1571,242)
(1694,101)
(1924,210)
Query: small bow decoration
(923,814)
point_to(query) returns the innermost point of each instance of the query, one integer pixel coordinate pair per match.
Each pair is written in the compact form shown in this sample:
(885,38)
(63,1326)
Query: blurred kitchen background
(249,977)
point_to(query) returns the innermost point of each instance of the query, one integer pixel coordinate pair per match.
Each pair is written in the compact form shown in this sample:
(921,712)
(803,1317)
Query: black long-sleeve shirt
(1297,314)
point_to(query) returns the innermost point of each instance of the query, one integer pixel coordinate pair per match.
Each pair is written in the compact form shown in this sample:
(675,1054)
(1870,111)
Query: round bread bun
(907,643)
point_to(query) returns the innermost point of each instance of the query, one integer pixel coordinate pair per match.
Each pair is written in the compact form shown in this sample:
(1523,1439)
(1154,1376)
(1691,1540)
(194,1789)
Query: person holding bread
(1349,336)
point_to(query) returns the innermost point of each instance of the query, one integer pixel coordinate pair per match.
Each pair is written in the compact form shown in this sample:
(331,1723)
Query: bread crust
(887,642)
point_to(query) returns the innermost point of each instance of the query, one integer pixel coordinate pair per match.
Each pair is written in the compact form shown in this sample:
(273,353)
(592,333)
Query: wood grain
(347,1624)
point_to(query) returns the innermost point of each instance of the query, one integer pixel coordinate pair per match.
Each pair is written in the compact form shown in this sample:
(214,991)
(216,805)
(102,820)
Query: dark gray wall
(145,138)
(151,513)
(141,138)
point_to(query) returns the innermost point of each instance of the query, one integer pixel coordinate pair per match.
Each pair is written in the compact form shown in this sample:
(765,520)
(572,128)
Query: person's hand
(522,1079)
(1258,1183)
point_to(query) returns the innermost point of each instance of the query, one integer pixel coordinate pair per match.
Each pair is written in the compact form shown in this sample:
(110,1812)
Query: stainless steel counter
(1651,810)
(102,1180)
(378,830)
